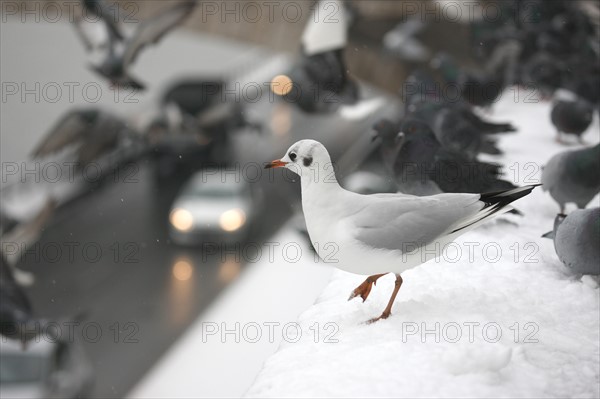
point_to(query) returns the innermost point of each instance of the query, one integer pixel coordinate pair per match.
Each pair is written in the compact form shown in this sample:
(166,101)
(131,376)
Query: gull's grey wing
(404,223)
(67,131)
(153,29)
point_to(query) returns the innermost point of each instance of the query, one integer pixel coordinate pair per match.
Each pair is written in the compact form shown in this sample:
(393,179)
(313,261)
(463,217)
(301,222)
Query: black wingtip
(503,198)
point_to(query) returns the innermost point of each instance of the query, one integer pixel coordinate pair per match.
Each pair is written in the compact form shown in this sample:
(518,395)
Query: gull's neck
(320,187)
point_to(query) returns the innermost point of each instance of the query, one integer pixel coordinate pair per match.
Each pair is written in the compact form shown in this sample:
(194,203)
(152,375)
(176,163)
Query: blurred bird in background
(576,237)
(422,166)
(118,52)
(320,79)
(571,115)
(573,177)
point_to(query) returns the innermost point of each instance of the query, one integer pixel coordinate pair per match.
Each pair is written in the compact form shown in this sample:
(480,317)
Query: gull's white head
(304,155)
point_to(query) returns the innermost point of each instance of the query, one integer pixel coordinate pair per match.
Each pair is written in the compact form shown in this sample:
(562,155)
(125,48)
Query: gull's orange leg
(388,309)
(364,289)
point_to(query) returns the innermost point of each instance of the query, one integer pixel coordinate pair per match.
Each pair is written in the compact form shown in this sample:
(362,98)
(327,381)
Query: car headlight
(181,219)
(232,219)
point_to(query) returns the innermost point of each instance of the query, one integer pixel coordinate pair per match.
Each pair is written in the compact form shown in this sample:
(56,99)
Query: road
(107,259)
(108,256)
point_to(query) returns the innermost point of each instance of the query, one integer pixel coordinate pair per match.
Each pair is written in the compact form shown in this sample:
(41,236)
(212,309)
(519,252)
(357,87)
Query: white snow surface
(500,278)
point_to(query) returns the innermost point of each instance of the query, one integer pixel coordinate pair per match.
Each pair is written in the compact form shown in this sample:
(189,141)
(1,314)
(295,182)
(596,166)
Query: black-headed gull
(381,233)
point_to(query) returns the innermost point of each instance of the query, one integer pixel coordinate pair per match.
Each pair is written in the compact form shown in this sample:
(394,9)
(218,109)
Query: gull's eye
(293,156)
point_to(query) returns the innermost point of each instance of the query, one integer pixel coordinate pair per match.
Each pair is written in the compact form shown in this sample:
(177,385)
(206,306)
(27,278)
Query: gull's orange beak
(275,164)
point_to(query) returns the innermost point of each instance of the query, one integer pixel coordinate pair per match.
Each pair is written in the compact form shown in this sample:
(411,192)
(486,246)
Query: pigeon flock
(435,145)
(437,150)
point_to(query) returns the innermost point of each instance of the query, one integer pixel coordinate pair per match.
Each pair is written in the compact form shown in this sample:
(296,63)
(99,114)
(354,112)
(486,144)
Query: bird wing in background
(109,13)
(29,232)
(101,138)
(483,125)
(94,35)
(23,235)
(326,29)
(153,29)
(400,41)
(14,301)
(68,130)
(462,175)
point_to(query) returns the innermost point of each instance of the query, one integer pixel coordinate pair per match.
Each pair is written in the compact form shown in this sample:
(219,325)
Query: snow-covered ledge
(497,316)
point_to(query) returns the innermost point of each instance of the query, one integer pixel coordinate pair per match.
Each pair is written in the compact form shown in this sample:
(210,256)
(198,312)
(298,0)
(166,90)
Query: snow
(442,339)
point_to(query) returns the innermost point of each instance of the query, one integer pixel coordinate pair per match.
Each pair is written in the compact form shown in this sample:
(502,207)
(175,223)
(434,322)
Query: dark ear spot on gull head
(307,161)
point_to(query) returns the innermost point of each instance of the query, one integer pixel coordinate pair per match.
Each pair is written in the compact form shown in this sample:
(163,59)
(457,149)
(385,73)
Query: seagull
(121,53)
(382,233)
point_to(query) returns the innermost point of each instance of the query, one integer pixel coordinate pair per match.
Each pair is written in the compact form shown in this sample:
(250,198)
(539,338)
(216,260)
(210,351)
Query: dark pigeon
(320,80)
(572,117)
(576,237)
(321,83)
(422,166)
(543,73)
(573,176)
(476,86)
(454,123)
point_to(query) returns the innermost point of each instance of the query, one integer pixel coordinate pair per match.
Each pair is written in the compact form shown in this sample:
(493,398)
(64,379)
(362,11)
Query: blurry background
(139,243)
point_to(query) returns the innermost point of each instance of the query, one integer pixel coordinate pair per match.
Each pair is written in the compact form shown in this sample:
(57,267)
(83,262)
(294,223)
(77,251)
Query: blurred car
(212,204)
(45,369)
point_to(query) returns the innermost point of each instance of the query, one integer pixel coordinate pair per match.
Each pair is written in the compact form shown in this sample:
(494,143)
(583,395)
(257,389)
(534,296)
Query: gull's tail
(497,202)
(501,199)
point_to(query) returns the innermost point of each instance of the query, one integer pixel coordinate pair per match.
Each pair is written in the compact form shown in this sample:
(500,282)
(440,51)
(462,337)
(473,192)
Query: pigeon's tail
(489,147)
(475,177)
(130,82)
(489,127)
(495,128)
